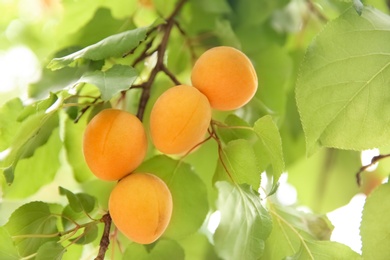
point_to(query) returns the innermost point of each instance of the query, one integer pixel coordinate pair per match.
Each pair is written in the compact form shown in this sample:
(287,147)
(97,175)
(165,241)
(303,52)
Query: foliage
(323,67)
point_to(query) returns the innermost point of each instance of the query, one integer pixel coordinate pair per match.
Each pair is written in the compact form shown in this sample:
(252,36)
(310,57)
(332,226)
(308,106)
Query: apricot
(140,206)
(114,144)
(179,119)
(226,77)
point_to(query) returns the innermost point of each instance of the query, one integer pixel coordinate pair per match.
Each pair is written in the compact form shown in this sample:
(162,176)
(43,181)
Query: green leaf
(292,229)
(216,6)
(325,250)
(189,194)
(252,12)
(72,19)
(52,81)
(111,81)
(223,29)
(79,202)
(8,250)
(89,235)
(282,242)
(121,9)
(234,131)
(274,70)
(375,224)
(315,226)
(31,174)
(270,145)
(9,113)
(31,226)
(112,46)
(198,246)
(32,133)
(179,55)
(240,160)
(102,25)
(73,141)
(342,92)
(50,251)
(100,190)
(69,217)
(245,224)
(163,249)
(327,180)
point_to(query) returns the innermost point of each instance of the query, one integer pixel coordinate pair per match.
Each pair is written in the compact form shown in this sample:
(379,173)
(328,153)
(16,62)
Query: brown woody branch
(145,86)
(161,49)
(374,160)
(105,241)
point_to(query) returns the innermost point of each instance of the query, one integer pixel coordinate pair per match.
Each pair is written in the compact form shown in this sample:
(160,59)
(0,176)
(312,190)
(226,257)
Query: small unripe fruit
(140,206)
(114,144)
(179,119)
(226,77)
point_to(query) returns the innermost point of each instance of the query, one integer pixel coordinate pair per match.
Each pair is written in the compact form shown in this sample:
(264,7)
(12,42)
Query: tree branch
(161,49)
(374,160)
(170,74)
(105,240)
(145,86)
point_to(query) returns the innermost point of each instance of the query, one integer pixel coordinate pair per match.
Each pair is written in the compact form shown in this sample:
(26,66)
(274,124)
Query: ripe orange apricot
(140,206)
(179,119)
(226,77)
(114,144)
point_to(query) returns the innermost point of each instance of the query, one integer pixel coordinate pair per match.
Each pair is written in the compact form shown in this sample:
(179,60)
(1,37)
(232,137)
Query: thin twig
(133,50)
(145,53)
(105,240)
(170,75)
(313,8)
(374,160)
(85,109)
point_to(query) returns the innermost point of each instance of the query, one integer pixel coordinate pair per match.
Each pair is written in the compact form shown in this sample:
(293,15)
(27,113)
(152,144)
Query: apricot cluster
(115,141)
(140,204)
(223,78)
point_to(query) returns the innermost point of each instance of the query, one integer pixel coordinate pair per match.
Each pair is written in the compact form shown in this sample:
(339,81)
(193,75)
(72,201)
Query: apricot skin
(140,206)
(114,144)
(226,77)
(179,119)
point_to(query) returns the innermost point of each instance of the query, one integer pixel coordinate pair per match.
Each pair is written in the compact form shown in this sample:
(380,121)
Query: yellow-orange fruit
(179,119)
(114,144)
(226,76)
(140,206)
(146,3)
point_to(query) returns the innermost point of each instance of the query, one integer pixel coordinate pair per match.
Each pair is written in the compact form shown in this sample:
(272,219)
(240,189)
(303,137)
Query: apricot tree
(170,129)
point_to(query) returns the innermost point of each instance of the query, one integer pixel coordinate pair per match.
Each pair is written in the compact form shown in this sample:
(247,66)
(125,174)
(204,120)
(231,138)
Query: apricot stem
(214,135)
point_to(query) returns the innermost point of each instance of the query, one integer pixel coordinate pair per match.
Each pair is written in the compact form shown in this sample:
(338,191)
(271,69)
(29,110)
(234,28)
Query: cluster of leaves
(325,92)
